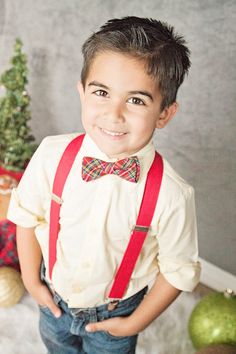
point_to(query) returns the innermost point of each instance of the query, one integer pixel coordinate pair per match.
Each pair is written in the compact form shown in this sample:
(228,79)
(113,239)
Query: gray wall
(199,142)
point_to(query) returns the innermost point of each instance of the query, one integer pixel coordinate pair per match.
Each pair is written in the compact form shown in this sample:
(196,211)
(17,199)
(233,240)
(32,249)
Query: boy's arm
(30,257)
(161,295)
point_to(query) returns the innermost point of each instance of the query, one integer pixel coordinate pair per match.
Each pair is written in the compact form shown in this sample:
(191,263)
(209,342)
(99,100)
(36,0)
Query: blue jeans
(67,334)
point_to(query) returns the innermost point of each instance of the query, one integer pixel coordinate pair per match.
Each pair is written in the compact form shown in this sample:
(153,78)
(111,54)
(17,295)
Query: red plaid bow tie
(128,168)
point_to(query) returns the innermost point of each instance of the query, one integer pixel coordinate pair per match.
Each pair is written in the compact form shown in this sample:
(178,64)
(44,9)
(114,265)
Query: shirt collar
(145,155)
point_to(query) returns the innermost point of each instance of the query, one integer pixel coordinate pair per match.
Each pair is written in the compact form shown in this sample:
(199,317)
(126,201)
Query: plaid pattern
(8,252)
(128,168)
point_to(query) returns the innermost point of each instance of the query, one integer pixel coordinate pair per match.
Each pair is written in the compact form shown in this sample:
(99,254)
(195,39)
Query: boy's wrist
(132,325)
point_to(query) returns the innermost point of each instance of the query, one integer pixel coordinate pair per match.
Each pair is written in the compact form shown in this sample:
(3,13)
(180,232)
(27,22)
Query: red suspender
(146,211)
(139,232)
(62,172)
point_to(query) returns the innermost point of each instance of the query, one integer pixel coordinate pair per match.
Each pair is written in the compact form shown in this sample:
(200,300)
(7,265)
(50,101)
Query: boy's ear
(166,115)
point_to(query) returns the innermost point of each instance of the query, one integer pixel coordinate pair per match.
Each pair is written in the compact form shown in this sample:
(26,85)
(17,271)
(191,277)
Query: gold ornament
(11,287)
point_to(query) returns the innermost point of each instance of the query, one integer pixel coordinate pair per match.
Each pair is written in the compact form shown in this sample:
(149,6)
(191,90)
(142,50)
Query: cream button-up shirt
(96,220)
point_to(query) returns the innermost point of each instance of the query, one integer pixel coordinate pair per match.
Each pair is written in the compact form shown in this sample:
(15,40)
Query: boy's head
(132,70)
(163,52)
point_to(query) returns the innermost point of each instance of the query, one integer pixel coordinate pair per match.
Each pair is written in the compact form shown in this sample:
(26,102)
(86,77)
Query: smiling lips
(108,132)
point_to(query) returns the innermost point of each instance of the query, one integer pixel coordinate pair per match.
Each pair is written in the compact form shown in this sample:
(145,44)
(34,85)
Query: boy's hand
(43,297)
(161,295)
(116,326)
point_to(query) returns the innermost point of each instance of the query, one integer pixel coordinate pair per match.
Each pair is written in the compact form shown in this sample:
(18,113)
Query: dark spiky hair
(164,52)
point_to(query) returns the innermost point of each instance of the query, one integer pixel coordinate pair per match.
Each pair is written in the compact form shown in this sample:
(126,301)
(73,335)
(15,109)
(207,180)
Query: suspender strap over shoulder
(139,232)
(62,172)
(146,211)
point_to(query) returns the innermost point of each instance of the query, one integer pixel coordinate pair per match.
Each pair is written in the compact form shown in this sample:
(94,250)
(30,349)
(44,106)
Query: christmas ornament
(11,287)
(218,349)
(213,320)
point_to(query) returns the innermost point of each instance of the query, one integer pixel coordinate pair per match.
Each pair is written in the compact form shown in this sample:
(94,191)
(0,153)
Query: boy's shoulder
(51,149)
(58,141)
(177,187)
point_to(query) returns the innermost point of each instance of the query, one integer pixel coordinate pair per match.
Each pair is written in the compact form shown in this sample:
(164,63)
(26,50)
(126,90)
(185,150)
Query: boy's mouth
(111,133)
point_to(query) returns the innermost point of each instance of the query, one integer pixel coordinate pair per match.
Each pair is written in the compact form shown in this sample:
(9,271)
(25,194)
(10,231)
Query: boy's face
(121,105)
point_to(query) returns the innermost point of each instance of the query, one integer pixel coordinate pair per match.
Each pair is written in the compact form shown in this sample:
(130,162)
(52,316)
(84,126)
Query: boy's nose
(115,112)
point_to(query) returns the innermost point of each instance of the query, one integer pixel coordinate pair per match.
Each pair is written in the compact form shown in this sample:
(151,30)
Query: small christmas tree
(16,141)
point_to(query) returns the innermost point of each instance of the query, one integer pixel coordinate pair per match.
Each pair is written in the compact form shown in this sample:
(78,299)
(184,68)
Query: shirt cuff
(184,276)
(19,215)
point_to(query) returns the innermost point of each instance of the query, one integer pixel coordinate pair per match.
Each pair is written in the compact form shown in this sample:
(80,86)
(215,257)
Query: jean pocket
(44,309)
(110,336)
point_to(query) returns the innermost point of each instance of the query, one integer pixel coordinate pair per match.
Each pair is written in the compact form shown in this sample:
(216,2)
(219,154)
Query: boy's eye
(137,101)
(100,93)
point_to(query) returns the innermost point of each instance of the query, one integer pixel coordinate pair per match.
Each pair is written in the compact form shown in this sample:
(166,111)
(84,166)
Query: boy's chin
(115,154)
(113,149)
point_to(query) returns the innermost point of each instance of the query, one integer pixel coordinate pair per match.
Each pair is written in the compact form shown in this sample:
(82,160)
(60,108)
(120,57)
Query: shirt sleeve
(178,245)
(27,201)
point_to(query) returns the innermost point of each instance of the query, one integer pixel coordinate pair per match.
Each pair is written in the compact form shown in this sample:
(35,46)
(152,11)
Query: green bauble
(213,320)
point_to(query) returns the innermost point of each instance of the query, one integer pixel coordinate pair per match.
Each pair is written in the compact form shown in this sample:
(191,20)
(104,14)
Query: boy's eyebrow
(140,92)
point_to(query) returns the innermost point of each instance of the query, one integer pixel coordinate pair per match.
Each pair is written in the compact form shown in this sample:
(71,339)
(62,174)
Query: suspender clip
(140,228)
(113,305)
(57,199)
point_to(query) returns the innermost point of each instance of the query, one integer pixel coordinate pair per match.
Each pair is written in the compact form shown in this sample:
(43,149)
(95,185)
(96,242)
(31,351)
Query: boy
(132,70)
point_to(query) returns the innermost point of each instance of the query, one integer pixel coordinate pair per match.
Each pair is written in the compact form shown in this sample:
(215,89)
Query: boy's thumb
(93,327)
(55,310)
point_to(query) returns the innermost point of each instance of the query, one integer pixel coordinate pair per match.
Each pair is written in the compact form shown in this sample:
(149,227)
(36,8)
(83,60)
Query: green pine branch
(17,144)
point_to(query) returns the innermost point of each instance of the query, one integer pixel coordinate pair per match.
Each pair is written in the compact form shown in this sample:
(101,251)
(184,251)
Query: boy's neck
(121,156)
